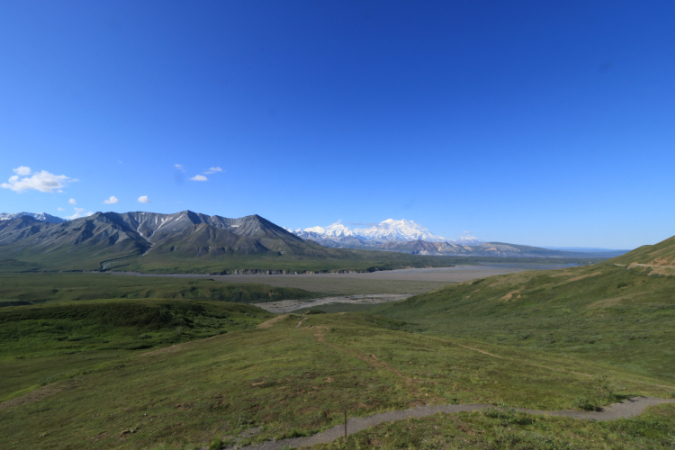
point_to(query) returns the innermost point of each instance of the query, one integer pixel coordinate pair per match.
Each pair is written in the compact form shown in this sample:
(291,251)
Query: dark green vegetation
(40,288)
(497,430)
(604,313)
(71,327)
(44,344)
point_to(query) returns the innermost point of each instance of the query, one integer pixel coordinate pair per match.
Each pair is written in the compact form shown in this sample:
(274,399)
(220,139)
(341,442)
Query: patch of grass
(216,444)
(496,430)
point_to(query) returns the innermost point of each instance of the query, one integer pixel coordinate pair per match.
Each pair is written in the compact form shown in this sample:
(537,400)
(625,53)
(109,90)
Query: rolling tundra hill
(620,311)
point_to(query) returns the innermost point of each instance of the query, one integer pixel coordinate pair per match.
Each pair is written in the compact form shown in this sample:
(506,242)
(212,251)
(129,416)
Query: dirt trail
(628,408)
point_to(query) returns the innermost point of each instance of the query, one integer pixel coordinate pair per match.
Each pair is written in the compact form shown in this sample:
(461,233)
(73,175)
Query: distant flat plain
(401,281)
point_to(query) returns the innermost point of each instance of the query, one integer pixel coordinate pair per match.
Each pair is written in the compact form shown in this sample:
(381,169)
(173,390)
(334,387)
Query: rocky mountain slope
(185,234)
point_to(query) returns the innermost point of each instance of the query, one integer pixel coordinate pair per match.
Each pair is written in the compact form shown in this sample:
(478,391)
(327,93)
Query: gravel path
(625,409)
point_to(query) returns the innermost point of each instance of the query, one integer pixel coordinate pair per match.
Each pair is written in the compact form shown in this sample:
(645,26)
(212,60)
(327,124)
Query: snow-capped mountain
(389,230)
(42,217)
(397,230)
(334,230)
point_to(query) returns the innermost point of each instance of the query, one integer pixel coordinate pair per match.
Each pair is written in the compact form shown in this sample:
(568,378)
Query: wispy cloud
(199,178)
(213,170)
(22,170)
(39,181)
(72,201)
(179,167)
(143,199)
(111,200)
(79,212)
(60,209)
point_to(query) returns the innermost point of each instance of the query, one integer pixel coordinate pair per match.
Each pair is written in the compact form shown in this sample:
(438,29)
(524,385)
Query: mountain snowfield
(388,230)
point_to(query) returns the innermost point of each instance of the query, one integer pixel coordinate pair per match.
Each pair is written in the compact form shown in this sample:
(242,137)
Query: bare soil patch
(286,306)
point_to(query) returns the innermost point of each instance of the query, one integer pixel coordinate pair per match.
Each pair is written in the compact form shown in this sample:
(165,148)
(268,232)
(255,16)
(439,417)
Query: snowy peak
(388,230)
(334,230)
(398,230)
(41,217)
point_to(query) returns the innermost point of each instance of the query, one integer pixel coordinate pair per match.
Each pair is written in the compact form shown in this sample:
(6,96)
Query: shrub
(215,444)
(585,404)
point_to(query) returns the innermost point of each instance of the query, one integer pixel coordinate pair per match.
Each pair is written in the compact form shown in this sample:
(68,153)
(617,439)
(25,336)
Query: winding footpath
(625,409)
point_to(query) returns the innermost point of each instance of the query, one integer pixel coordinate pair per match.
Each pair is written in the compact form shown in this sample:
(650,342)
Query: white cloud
(40,181)
(199,178)
(72,201)
(22,170)
(60,209)
(77,215)
(143,199)
(79,212)
(179,167)
(111,200)
(213,170)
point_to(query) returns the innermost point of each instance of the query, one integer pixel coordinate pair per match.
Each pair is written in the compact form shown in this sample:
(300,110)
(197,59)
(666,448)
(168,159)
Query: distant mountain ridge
(387,230)
(42,217)
(389,235)
(171,241)
(407,236)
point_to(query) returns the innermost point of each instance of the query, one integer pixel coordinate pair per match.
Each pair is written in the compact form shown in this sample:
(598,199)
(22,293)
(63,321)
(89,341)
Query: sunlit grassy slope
(292,376)
(606,313)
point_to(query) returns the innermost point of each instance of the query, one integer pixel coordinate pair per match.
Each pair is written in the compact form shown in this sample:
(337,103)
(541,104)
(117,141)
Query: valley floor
(400,281)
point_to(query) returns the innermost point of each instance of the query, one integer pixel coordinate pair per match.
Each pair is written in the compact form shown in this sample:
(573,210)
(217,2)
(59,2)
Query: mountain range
(389,235)
(141,239)
(407,236)
(103,237)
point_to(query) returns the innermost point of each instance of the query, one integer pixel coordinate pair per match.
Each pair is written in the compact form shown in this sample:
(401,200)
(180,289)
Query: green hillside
(661,254)
(608,313)
(290,376)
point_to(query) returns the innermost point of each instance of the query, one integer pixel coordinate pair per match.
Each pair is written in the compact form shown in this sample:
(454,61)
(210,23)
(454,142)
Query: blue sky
(540,123)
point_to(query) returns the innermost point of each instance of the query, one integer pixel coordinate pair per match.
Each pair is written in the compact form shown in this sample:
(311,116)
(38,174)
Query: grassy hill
(605,312)
(293,376)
